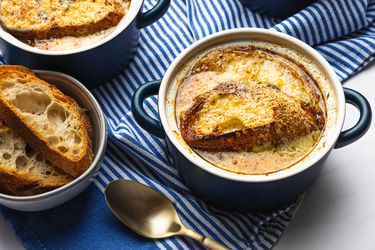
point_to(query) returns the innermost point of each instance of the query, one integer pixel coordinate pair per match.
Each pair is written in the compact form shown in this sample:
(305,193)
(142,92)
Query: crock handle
(148,123)
(152,15)
(360,102)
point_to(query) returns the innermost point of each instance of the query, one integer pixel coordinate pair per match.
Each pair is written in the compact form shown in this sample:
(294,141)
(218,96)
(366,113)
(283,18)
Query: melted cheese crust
(72,42)
(250,65)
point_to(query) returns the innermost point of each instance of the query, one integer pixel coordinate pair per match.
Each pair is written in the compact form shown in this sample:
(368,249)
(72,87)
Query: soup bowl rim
(282,174)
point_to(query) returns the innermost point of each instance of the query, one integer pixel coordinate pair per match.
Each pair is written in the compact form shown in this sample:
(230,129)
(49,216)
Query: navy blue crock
(246,196)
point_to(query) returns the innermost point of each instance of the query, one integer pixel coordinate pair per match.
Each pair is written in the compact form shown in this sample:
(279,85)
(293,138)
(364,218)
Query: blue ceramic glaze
(242,196)
(140,115)
(360,102)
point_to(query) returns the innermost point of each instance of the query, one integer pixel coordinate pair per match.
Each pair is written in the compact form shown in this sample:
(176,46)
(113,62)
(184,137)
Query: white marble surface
(339,209)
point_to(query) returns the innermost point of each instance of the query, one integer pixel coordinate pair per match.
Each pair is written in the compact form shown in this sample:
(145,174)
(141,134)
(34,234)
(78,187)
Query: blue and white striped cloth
(343,31)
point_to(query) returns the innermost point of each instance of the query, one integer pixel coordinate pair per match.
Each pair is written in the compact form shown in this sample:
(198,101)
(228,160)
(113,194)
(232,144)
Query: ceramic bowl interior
(167,97)
(85,99)
(135,7)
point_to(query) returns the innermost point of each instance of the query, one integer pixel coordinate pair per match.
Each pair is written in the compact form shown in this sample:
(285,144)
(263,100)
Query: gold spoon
(149,213)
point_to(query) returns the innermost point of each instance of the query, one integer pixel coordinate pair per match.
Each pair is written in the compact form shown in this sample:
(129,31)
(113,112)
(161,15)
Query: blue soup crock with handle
(239,192)
(92,64)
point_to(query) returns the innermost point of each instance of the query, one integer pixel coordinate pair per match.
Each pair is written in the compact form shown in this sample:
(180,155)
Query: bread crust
(16,175)
(282,128)
(22,185)
(74,167)
(54,30)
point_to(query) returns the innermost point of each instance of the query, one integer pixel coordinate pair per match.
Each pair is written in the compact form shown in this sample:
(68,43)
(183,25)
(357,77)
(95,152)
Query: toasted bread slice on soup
(233,116)
(24,171)
(41,19)
(49,121)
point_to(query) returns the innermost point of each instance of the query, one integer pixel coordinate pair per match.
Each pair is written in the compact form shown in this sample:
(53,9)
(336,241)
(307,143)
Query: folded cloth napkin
(342,30)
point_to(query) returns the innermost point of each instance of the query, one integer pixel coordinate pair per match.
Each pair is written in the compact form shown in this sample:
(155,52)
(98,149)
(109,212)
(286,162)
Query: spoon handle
(206,241)
(213,244)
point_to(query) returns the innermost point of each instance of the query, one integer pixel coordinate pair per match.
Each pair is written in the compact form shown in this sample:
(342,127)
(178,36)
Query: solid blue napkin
(343,31)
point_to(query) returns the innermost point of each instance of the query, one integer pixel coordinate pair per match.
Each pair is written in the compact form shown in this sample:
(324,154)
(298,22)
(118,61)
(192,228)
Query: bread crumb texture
(47,119)
(24,171)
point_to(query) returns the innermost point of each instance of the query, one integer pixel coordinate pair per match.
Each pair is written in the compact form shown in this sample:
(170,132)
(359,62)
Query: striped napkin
(343,31)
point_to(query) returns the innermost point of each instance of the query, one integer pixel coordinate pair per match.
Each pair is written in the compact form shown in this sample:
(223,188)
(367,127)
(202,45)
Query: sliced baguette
(24,171)
(49,121)
(41,19)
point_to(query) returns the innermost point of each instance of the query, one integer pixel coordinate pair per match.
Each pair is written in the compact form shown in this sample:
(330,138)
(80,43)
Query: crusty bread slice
(24,171)
(234,117)
(49,121)
(42,19)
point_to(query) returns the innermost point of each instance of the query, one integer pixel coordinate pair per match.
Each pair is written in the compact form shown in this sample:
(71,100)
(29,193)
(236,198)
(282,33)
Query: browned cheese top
(59,25)
(249,110)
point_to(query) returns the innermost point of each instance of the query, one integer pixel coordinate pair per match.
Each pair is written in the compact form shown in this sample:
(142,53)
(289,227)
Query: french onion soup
(61,24)
(249,109)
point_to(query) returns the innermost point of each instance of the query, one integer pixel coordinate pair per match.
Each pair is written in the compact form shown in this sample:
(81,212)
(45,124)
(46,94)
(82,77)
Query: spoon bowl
(149,213)
(128,200)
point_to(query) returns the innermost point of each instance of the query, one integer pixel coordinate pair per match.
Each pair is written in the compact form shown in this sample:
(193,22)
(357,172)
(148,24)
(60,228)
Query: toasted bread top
(41,19)
(49,121)
(248,65)
(233,116)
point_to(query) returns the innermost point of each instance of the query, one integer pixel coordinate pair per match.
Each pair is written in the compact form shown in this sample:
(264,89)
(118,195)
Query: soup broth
(250,65)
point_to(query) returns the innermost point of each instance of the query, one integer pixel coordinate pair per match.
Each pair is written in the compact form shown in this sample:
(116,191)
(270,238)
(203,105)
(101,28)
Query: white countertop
(339,209)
